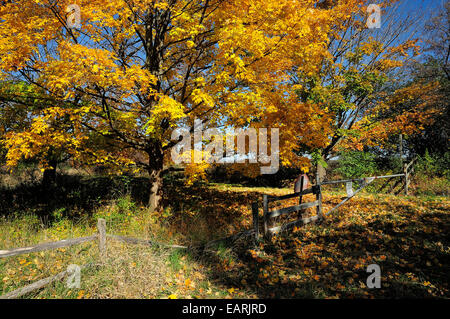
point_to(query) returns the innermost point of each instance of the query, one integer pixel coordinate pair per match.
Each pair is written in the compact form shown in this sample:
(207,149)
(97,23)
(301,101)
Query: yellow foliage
(136,70)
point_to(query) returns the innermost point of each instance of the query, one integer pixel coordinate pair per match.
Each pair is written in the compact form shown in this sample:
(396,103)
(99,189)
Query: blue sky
(424,8)
(430,3)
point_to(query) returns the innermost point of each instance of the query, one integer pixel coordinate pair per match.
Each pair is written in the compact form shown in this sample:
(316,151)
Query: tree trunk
(156,189)
(156,161)
(49,177)
(319,171)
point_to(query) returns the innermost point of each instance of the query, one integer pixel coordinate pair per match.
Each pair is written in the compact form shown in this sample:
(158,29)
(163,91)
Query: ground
(406,236)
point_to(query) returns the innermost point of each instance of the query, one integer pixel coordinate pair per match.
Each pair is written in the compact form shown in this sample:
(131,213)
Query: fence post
(101,226)
(266,211)
(255,219)
(301,189)
(319,196)
(405,171)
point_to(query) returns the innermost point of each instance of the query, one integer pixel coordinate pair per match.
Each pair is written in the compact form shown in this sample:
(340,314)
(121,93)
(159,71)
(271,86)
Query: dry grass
(129,271)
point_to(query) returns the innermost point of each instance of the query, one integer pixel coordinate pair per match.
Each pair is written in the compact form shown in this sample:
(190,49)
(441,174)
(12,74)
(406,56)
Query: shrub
(119,211)
(426,164)
(356,164)
(434,165)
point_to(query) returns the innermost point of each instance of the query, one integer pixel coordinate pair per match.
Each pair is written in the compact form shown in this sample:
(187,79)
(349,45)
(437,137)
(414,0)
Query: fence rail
(359,179)
(101,236)
(271,198)
(46,246)
(299,222)
(291,209)
(38,284)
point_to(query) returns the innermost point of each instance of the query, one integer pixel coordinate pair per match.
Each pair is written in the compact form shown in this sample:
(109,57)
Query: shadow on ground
(76,195)
(408,239)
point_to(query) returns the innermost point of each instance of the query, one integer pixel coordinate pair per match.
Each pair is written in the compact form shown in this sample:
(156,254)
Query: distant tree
(422,97)
(435,137)
(353,87)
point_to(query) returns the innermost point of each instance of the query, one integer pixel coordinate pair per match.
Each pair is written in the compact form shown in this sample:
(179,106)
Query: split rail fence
(317,191)
(101,236)
(268,215)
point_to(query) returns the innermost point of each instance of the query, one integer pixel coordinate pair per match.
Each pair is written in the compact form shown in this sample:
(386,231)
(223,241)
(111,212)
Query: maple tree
(135,70)
(19,102)
(434,68)
(350,92)
(416,104)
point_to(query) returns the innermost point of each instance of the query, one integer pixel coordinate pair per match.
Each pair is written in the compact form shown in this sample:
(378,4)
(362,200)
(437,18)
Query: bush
(430,186)
(389,165)
(434,165)
(356,164)
(119,211)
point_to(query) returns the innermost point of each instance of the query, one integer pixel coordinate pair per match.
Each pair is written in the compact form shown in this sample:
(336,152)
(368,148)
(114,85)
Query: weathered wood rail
(38,284)
(268,215)
(360,179)
(46,246)
(101,236)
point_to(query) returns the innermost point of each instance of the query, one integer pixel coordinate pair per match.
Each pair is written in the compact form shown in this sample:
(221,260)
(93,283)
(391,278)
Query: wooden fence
(408,170)
(101,236)
(268,215)
(317,190)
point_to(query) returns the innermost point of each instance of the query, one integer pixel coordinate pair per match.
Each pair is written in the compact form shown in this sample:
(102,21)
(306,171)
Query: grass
(406,236)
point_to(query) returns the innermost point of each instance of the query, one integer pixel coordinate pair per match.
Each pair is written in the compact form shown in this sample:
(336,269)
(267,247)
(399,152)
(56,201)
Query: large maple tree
(136,69)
